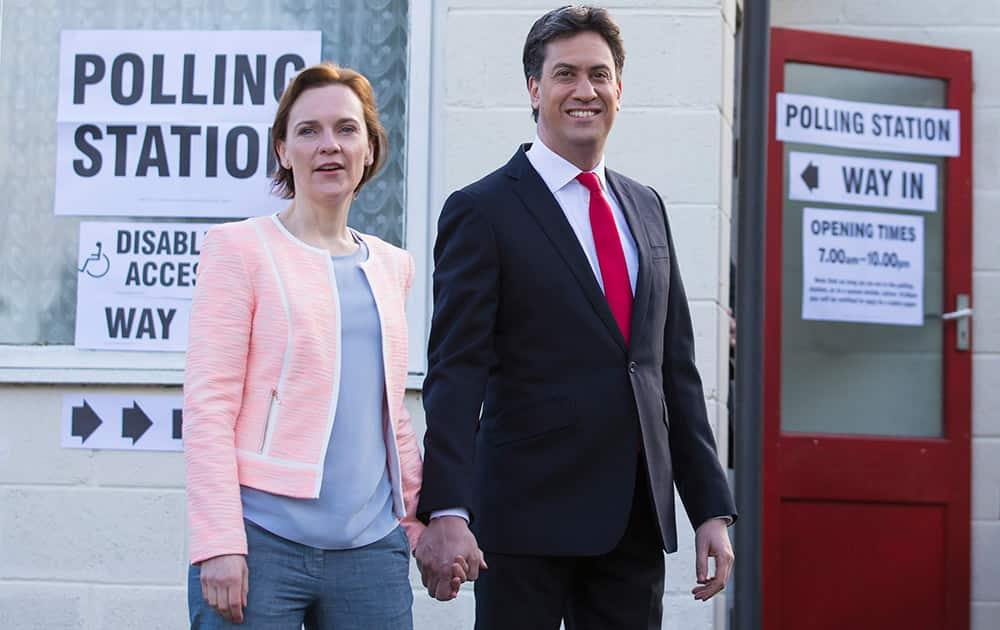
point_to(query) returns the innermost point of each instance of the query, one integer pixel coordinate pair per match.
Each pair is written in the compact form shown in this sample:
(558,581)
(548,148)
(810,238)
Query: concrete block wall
(88,539)
(971,25)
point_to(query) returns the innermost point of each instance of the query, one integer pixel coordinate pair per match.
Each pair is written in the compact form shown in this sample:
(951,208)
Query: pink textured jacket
(263,373)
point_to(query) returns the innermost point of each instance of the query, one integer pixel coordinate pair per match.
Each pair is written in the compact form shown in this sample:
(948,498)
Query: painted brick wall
(971,25)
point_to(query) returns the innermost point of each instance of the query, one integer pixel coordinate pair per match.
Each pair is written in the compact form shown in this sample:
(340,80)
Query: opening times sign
(862,267)
(135,282)
(172,123)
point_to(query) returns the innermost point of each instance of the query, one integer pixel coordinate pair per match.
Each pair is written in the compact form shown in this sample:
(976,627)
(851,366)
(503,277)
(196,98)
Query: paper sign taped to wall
(141,422)
(172,123)
(135,282)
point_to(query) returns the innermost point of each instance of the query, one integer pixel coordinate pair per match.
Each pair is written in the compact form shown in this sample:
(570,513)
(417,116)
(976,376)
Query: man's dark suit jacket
(523,336)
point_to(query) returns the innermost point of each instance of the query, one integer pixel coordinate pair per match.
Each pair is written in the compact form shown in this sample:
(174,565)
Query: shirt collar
(555,170)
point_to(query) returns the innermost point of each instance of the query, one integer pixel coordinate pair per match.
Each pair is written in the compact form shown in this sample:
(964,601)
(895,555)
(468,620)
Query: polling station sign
(862,267)
(135,282)
(871,126)
(847,179)
(171,123)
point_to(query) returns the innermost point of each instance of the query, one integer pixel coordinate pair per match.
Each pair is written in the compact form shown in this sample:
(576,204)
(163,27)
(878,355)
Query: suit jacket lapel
(537,198)
(643,281)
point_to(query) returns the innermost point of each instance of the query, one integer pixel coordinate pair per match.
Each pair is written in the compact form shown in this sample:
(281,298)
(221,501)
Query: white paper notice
(862,267)
(134,284)
(847,179)
(872,126)
(171,123)
(145,422)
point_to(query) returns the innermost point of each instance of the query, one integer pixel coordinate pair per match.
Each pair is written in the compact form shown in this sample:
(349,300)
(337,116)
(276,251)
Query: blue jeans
(367,588)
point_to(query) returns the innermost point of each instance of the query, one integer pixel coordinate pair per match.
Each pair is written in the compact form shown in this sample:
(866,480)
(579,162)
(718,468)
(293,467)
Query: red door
(866,452)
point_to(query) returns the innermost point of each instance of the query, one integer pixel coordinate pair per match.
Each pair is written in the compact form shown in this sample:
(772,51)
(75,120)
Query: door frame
(955,68)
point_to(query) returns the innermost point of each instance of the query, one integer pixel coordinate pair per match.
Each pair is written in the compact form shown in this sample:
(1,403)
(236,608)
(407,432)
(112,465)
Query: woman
(302,465)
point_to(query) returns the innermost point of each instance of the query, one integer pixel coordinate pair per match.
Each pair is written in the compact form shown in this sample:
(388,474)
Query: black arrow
(811,176)
(84,422)
(178,415)
(135,422)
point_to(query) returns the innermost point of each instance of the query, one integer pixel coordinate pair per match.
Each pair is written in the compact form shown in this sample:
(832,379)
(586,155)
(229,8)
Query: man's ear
(618,95)
(533,92)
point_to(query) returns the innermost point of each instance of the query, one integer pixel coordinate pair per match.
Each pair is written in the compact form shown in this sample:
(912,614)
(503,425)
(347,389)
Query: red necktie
(610,255)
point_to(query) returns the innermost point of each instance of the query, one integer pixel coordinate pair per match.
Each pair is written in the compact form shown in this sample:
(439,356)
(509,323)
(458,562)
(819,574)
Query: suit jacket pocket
(530,422)
(659,252)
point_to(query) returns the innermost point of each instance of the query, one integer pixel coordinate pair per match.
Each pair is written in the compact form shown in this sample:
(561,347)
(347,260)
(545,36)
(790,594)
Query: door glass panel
(860,378)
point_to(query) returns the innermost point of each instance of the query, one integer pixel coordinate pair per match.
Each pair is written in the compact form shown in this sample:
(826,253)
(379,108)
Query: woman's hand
(224,585)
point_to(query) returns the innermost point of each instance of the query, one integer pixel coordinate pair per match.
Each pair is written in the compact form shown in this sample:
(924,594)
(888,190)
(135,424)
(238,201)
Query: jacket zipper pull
(267,421)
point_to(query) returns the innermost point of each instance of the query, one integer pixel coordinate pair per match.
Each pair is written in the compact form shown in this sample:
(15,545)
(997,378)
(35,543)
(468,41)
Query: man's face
(577,95)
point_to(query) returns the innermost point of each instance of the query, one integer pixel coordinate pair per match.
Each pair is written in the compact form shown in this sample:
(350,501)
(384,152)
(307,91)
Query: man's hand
(447,554)
(712,540)
(224,585)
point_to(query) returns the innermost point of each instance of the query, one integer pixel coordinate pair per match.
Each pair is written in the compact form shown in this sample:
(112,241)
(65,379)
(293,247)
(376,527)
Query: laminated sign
(862,267)
(848,179)
(172,123)
(870,126)
(145,422)
(134,284)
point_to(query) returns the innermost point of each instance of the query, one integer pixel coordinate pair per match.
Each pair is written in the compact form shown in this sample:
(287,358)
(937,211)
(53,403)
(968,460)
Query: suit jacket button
(632,367)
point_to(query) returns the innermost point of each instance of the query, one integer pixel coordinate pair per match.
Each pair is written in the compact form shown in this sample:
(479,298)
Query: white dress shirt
(573,197)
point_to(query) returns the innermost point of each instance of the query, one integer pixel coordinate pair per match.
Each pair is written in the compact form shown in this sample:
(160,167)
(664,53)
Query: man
(562,397)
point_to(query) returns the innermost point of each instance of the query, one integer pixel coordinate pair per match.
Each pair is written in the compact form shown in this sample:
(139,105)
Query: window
(38,249)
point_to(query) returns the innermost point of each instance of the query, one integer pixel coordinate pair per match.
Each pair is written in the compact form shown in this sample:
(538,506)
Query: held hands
(712,540)
(447,555)
(224,585)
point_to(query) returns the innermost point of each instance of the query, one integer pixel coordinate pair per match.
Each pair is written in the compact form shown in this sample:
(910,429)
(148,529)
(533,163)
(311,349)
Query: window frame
(67,364)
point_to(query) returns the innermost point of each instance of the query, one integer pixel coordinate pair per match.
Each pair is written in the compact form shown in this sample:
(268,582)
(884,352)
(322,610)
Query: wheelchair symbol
(101,264)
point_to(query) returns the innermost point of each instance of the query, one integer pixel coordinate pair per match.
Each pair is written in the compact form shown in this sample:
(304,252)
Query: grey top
(354,507)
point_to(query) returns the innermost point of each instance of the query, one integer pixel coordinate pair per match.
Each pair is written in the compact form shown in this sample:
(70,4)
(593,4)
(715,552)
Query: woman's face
(326,144)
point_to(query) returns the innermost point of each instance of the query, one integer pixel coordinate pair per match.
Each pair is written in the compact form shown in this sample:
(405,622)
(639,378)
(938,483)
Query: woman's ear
(279,148)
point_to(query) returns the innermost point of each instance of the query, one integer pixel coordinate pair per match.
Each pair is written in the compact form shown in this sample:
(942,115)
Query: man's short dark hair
(565,22)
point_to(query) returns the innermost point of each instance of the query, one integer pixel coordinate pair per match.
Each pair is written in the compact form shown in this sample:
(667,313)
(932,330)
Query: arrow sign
(149,421)
(811,176)
(859,181)
(85,421)
(135,422)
